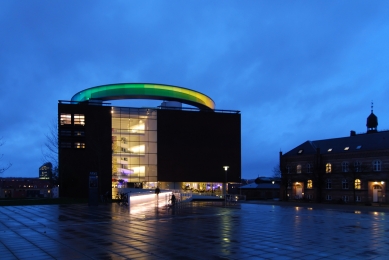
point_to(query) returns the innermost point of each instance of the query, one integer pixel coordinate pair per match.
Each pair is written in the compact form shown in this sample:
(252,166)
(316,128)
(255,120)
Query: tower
(372,122)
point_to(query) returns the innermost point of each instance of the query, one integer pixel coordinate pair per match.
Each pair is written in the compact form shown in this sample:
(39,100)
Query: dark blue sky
(297,70)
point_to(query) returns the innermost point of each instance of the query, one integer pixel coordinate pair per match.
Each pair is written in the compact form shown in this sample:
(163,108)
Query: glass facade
(134,147)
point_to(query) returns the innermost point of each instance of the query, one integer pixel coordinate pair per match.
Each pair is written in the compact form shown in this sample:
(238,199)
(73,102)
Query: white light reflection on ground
(142,203)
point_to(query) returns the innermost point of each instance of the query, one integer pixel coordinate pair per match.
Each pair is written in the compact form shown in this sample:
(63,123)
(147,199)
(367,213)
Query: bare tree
(50,148)
(277,171)
(3,168)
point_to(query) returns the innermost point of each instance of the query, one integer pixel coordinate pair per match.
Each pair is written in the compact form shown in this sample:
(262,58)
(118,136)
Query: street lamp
(225,183)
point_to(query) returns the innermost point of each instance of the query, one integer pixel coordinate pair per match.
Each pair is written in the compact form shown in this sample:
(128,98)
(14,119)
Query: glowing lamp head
(226,167)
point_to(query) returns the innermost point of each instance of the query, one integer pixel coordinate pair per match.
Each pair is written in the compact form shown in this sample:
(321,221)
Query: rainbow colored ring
(145,91)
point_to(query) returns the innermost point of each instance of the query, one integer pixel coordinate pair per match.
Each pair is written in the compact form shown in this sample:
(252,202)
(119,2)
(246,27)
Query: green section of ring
(145,91)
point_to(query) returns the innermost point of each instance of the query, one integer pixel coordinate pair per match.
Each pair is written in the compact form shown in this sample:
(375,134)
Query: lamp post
(225,183)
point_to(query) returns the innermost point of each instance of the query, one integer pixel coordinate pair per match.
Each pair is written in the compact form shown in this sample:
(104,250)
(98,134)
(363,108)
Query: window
(65,133)
(377,165)
(65,145)
(309,168)
(79,119)
(328,197)
(357,184)
(79,133)
(66,119)
(329,150)
(345,198)
(309,184)
(310,196)
(79,145)
(358,198)
(344,166)
(300,151)
(359,147)
(298,168)
(328,168)
(357,166)
(344,184)
(347,148)
(287,169)
(329,184)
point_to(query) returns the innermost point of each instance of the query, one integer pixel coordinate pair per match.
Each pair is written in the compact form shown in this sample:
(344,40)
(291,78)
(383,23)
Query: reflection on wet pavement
(199,230)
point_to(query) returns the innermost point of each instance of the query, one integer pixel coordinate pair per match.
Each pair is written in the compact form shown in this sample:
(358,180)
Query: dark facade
(194,145)
(85,146)
(351,169)
(181,146)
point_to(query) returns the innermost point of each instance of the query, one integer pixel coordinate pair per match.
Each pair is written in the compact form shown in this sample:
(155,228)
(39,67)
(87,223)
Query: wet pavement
(199,230)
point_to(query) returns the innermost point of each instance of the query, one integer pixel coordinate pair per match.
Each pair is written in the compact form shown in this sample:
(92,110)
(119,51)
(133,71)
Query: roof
(261,186)
(356,143)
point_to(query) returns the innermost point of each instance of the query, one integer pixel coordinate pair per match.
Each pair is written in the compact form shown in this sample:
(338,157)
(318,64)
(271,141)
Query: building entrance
(377,193)
(299,192)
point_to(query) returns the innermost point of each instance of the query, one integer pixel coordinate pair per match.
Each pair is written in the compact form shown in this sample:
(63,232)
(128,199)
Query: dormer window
(359,147)
(300,151)
(329,150)
(346,148)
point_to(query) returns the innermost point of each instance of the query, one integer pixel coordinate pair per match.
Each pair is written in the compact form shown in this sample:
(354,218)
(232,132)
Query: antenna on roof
(372,106)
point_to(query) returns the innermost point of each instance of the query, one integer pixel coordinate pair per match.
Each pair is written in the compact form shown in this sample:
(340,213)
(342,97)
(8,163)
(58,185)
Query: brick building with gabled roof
(348,169)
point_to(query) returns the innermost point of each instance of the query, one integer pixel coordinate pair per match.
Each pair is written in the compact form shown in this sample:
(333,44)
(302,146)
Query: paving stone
(201,231)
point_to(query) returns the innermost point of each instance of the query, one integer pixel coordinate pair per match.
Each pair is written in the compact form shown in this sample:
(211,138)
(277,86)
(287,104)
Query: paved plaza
(199,230)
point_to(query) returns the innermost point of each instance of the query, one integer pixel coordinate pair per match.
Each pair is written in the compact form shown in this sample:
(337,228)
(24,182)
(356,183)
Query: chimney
(352,133)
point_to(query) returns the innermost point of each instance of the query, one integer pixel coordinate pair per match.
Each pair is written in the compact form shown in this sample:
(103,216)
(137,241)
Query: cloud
(296,70)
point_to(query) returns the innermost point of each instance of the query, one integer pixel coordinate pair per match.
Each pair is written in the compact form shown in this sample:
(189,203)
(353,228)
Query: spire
(372,121)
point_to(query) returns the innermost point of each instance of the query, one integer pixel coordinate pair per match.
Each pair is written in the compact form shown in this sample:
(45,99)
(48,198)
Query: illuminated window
(329,184)
(357,184)
(357,166)
(328,168)
(344,184)
(79,145)
(66,119)
(346,148)
(79,119)
(299,168)
(377,165)
(344,166)
(330,149)
(309,184)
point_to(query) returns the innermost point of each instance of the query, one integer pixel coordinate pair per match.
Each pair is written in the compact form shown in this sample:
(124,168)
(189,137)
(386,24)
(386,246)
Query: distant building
(347,169)
(25,188)
(262,188)
(46,171)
